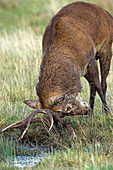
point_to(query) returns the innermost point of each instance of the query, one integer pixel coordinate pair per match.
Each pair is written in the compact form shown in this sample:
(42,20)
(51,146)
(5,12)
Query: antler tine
(14,125)
(49,112)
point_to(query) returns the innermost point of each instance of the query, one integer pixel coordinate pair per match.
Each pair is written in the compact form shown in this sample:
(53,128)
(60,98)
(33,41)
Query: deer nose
(85,105)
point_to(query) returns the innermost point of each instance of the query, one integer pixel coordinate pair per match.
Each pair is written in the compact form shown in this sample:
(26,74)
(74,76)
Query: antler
(48,121)
(29,120)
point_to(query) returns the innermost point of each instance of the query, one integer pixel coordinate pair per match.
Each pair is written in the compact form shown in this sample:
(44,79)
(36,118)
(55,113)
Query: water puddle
(36,155)
(24,161)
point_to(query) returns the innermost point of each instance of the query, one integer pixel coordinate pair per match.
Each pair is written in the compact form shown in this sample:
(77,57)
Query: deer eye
(68,108)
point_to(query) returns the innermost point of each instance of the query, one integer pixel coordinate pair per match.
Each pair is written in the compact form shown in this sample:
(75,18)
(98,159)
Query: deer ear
(33,104)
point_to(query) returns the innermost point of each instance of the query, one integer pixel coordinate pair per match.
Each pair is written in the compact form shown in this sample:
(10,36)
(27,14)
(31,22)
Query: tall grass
(20,54)
(22,28)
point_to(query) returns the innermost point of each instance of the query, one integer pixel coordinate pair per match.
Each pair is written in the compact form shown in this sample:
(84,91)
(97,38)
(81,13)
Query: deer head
(65,103)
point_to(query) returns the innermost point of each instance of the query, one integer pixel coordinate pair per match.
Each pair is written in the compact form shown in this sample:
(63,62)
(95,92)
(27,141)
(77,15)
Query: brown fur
(78,35)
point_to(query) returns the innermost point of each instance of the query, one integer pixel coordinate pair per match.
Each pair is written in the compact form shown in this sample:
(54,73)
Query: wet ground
(36,155)
(24,161)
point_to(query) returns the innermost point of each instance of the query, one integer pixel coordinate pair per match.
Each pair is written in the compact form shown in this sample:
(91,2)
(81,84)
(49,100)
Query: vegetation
(22,24)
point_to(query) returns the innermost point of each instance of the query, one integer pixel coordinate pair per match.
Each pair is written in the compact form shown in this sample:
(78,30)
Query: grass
(22,25)
(77,159)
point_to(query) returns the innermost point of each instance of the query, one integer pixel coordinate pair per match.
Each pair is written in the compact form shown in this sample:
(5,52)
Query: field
(22,24)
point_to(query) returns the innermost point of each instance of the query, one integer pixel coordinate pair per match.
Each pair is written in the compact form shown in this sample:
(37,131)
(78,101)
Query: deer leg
(92,90)
(93,70)
(105,61)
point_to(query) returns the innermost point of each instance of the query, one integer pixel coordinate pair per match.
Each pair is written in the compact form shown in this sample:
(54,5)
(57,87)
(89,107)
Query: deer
(74,39)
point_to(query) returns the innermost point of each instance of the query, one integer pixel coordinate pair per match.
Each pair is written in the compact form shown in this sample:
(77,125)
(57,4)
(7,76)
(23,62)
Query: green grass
(89,159)
(22,24)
